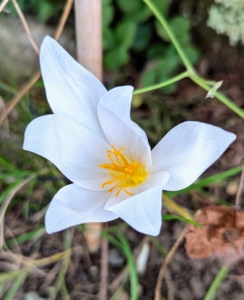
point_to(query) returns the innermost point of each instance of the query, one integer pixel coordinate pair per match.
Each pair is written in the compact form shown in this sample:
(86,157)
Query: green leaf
(116,58)
(129,5)
(192,53)
(163,6)
(206,181)
(179,25)
(125,34)
(108,39)
(138,16)
(142,37)
(45,10)
(169,217)
(169,63)
(107,15)
(156,51)
(149,77)
(106,2)
(211,293)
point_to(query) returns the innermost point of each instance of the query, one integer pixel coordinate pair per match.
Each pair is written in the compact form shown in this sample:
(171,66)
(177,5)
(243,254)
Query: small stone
(232,187)
(32,296)
(141,262)
(93,271)
(197,287)
(116,260)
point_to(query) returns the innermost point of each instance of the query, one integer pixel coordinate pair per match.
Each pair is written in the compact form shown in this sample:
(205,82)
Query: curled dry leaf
(222,234)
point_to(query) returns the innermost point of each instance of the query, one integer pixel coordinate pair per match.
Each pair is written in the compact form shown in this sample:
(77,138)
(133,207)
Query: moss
(226,17)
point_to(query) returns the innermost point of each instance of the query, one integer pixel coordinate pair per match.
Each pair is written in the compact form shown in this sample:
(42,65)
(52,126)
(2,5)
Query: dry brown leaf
(222,234)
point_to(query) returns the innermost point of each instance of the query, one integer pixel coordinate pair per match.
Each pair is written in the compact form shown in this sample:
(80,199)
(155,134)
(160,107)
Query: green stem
(162,84)
(216,283)
(171,35)
(225,100)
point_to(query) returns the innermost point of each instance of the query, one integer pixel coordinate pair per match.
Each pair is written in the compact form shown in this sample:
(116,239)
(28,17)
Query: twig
(241,185)
(63,19)
(3,5)
(15,100)
(26,27)
(166,262)
(104,267)
(26,87)
(170,286)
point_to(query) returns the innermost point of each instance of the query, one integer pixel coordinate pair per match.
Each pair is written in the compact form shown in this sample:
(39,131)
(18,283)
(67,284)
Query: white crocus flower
(94,143)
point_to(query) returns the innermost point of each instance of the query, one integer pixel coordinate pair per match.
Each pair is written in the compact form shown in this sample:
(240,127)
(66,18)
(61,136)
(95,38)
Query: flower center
(124,173)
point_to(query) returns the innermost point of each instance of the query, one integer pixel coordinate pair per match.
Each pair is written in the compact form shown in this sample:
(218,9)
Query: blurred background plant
(226,17)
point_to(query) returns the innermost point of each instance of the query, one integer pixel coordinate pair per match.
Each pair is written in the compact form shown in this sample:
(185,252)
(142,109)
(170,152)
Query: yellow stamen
(125,174)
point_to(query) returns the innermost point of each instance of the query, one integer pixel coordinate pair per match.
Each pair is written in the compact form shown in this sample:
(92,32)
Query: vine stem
(162,84)
(225,100)
(171,35)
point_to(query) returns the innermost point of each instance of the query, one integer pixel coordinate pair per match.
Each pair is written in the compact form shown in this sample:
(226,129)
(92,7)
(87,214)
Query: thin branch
(168,259)
(3,5)
(63,19)
(25,25)
(241,185)
(25,88)
(104,267)
(15,100)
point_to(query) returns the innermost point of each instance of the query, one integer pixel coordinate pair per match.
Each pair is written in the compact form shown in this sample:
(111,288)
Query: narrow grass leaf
(34,234)
(206,181)
(16,285)
(169,217)
(211,293)
(131,264)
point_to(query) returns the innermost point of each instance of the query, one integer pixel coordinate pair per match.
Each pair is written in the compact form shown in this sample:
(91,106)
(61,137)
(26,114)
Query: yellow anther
(125,174)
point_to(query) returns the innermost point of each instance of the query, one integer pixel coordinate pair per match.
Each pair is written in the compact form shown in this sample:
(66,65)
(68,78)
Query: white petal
(75,150)
(118,100)
(156,179)
(71,89)
(73,205)
(120,135)
(188,150)
(142,212)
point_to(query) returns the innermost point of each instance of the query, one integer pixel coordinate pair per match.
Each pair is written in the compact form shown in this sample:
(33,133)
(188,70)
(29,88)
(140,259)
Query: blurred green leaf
(107,15)
(206,181)
(125,34)
(45,10)
(156,51)
(149,77)
(106,2)
(108,39)
(129,5)
(163,6)
(138,16)
(142,36)
(179,25)
(169,217)
(116,58)
(192,53)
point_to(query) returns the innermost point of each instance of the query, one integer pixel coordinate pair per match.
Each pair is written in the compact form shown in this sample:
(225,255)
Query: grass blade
(216,283)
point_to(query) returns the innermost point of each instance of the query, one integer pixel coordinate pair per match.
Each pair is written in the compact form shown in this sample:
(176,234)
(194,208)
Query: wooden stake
(88,18)
(89,35)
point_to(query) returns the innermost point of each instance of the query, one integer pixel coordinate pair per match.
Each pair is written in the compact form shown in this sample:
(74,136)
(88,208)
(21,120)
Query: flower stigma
(125,174)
